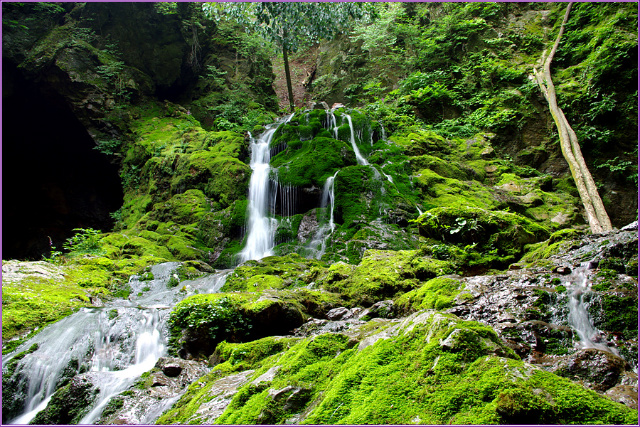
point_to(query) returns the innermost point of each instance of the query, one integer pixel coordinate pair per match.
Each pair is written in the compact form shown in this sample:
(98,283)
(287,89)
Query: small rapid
(111,345)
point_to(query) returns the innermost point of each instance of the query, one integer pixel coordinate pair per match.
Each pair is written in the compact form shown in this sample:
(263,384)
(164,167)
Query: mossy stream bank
(390,340)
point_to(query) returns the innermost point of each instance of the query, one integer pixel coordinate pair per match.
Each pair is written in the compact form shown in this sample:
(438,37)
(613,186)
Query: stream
(115,344)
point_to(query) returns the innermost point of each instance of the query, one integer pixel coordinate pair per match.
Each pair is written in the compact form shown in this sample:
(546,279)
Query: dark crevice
(52,179)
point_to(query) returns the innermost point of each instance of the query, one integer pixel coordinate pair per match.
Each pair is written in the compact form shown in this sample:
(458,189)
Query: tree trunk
(596,213)
(288,76)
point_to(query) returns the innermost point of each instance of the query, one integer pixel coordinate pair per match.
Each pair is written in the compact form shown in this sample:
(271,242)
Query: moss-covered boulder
(382,275)
(35,294)
(437,294)
(290,271)
(200,322)
(429,368)
(498,233)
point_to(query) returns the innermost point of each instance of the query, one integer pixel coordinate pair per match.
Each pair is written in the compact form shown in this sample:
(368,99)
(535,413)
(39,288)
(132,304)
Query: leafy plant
(220,318)
(85,241)
(108,146)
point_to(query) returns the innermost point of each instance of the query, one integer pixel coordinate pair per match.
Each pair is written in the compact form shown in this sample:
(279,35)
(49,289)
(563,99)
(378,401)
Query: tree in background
(292,25)
(596,214)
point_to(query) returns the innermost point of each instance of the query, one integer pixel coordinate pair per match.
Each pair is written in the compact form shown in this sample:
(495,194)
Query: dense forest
(320,213)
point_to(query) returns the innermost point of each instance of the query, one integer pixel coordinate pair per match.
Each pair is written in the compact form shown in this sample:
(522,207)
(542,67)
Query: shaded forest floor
(301,66)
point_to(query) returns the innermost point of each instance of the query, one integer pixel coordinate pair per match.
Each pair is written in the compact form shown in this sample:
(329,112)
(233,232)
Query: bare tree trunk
(288,77)
(596,213)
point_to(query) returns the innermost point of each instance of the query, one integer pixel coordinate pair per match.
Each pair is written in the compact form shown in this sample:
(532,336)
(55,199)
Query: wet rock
(600,369)
(630,227)
(148,399)
(340,313)
(314,105)
(216,400)
(308,227)
(625,394)
(267,377)
(383,309)
(159,380)
(70,403)
(172,369)
(562,270)
(310,327)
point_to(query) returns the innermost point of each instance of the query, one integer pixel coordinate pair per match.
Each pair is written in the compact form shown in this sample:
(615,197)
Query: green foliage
(218,317)
(291,25)
(108,146)
(85,241)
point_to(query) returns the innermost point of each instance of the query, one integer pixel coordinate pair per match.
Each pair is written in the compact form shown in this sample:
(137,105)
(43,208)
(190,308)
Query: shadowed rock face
(53,179)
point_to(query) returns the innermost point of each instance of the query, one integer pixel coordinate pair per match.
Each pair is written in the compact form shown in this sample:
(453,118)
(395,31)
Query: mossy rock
(503,233)
(273,273)
(222,178)
(312,162)
(41,293)
(558,243)
(438,294)
(382,275)
(422,142)
(69,404)
(198,323)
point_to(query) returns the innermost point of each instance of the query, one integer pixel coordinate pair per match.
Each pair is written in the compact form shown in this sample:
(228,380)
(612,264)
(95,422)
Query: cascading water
(318,244)
(361,160)
(579,319)
(261,228)
(111,345)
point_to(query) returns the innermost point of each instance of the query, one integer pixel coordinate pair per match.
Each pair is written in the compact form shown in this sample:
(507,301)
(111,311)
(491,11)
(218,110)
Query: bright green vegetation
(429,369)
(39,294)
(500,236)
(68,404)
(291,271)
(436,294)
(469,180)
(382,275)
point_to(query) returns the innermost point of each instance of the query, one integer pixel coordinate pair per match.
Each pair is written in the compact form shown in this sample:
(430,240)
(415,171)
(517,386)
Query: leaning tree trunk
(288,77)
(596,213)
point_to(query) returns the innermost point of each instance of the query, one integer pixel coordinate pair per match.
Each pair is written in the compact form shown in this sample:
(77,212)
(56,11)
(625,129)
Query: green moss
(619,314)
(559,242)
(273,272)
(382,275)
(501,234)
(311,163)
(45,293)
(68,404)
(437,293)
(251,353)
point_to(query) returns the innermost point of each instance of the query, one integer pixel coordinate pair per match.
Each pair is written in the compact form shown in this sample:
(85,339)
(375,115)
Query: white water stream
(114,344)
(318,244)
(261,228)
(361,160)
(579,287)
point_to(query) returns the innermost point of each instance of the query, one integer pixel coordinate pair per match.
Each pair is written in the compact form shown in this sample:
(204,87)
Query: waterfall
(114,344)
(261,228)
(318,244)
(579,319)
(361,160)
(285,196)
(332,124)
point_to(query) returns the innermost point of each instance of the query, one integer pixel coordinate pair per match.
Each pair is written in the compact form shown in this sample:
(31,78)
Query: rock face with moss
(430,250)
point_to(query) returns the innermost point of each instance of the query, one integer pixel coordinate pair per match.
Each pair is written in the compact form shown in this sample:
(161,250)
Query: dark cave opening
(52,179)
